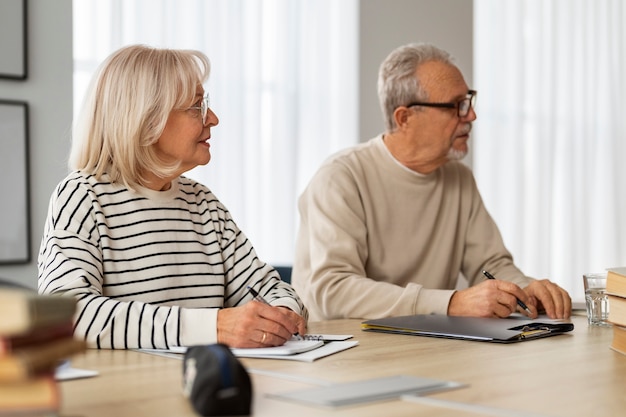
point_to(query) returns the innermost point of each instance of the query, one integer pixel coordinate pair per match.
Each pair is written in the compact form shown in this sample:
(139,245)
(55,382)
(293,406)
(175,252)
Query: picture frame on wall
(14,183)
(13,39)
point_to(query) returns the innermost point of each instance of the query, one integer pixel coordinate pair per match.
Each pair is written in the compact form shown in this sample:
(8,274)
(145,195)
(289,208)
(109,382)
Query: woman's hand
(257,325)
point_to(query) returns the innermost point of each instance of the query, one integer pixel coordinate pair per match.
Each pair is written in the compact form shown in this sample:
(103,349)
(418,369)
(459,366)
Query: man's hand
(490,298)
(546,295)
(257,325)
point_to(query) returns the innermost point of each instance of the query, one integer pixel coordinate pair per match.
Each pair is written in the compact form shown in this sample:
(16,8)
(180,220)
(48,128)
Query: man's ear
(401,116)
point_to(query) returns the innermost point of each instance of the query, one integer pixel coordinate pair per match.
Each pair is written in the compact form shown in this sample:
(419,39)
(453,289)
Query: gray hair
(397,83)
(126,108)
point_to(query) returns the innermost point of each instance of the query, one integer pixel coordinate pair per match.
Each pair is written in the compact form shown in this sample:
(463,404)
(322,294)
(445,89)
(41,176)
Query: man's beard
(456,154)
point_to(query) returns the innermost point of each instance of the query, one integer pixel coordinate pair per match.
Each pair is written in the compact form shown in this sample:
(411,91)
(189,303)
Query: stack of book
(616,290)
(36,335)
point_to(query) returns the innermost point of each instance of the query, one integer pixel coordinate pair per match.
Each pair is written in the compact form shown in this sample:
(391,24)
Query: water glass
(596,299)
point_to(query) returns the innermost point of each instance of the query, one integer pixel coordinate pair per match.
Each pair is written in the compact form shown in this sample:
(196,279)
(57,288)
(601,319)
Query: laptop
(507,330)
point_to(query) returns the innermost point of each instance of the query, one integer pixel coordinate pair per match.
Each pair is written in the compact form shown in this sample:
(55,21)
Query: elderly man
(388,225)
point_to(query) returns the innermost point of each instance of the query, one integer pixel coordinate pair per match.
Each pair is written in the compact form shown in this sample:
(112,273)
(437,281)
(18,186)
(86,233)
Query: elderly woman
(154,258)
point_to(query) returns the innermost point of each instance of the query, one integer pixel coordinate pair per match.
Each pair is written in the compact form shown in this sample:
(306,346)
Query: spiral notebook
(291,347)
(310,348)
(325,337)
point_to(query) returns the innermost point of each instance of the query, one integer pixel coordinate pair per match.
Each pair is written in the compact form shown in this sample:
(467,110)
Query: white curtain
(549,139)
(283,83)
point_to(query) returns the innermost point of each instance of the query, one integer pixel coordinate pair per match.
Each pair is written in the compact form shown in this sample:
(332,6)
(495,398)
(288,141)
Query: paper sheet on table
(325,349)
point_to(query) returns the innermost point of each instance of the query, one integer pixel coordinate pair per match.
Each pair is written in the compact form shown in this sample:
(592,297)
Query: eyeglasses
(463,106)
(203,108)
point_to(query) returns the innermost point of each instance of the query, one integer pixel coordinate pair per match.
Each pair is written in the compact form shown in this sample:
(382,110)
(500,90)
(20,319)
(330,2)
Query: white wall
(387,24)
(48,91)
(384,25)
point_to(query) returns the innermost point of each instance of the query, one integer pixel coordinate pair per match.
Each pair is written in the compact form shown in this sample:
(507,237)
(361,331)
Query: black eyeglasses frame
(463,106)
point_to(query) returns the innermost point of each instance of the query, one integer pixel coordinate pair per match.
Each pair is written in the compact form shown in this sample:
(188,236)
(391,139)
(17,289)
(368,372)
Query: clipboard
(507,330)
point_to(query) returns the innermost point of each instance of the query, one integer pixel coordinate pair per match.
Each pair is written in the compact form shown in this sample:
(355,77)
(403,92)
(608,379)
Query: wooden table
(569,375)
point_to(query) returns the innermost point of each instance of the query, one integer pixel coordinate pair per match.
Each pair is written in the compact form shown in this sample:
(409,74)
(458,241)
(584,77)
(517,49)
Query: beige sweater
(377,239)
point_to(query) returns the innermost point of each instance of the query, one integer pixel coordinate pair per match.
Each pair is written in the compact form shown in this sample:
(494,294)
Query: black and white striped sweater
(149,269)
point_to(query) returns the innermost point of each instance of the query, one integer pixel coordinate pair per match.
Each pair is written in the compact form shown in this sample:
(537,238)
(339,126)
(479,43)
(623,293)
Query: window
(282,82)
(549,135)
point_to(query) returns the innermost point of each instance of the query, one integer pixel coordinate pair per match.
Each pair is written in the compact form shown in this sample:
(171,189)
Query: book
(618,343)
(617,310)
(47,334)
(24,310)
(30,361)
(35,395)
(616,281)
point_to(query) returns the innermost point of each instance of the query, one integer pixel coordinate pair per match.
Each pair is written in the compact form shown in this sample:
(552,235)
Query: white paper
(65,372)
(370,390)
(325,349)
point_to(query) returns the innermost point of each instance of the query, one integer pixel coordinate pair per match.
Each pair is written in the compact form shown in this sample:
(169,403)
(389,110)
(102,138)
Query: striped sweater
(149,269)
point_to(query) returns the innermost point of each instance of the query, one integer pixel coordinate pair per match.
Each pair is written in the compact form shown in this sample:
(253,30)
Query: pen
(260,299)
(257,296)
(519,302)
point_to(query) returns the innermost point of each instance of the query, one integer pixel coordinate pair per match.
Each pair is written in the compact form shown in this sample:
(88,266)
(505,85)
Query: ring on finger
(263,338)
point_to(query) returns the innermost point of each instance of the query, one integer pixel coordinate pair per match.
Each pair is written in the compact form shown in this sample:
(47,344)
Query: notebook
(325,337)
(507,330)
(313,347)
(290,347)
(300,350)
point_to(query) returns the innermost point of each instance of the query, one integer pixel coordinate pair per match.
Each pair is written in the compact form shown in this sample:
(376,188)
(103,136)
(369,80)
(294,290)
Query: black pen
(257,296)
(519,302)
(260,299)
